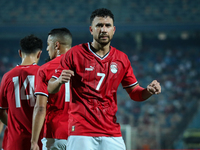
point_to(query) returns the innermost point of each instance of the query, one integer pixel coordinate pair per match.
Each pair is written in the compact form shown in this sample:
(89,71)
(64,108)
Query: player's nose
(104,29)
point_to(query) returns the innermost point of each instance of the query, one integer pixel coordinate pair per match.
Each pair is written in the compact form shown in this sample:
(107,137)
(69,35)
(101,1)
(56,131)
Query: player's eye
(99,25)
(108,25)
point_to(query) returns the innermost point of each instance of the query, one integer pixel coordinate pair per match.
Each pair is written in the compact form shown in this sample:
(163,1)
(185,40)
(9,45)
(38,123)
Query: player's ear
(91,31)
(20,53)
(114,29)
(39,54)
(57,45)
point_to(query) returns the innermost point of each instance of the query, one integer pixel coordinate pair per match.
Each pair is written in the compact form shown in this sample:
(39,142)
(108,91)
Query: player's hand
(34,146)
(154,87)
(65,76)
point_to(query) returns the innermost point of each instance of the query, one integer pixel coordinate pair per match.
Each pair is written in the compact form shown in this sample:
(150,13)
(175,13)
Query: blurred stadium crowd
(126,11)
(166,116)
(172,58)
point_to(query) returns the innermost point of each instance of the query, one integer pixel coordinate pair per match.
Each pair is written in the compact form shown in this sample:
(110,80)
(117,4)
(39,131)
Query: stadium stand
(36,12)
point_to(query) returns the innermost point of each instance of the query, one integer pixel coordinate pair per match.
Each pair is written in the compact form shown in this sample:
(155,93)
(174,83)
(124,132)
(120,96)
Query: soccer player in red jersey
(17,94)
(52,109)
(95,71)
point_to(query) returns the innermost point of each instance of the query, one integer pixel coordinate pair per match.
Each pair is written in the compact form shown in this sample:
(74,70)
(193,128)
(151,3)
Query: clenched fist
(154,87)
(65,76)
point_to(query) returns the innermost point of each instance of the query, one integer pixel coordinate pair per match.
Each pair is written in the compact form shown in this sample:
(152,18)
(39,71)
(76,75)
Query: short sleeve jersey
(56,120)
(17,94)
(94,89)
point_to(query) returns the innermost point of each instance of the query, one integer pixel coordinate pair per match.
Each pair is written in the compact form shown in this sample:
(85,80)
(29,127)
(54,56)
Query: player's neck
(29,60)
(100,50)
(63,51)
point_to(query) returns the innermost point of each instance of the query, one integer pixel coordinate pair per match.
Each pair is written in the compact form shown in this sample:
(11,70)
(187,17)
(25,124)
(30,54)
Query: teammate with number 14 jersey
(17,94)
(17,89)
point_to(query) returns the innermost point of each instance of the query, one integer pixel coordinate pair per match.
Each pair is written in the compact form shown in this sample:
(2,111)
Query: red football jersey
(17,94)
(56,120)
(94,89)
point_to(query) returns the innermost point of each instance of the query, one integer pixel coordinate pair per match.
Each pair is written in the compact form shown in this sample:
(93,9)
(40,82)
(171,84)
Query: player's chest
(91,69)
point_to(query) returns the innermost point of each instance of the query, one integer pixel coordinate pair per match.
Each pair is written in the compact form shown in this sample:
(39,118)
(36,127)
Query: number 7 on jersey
(102,75)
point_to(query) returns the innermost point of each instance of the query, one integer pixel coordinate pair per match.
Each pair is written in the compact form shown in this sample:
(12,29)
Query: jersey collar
(90,49)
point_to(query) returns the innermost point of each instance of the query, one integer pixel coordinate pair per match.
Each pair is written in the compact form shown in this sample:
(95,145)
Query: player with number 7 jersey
(94,89)
(95,70)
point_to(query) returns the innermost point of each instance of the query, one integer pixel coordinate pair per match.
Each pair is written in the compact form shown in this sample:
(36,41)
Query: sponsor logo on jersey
(90,68)
(113,67)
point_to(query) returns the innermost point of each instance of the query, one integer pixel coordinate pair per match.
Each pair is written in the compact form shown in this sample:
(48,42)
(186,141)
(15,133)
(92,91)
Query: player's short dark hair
(62,34)
(101,12)
(60,31)
(31,44)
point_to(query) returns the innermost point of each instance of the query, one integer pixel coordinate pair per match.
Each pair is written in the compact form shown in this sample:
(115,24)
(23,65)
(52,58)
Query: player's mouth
(103,37)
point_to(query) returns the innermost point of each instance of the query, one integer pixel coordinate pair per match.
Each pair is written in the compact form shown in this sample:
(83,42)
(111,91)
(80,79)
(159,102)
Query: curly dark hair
(31,44)
(101,12)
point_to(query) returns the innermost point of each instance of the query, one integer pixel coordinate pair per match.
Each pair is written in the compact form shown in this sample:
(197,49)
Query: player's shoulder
(10,72)
(50,63)
(45,65)
(77,49)
(6,75)
(80,46)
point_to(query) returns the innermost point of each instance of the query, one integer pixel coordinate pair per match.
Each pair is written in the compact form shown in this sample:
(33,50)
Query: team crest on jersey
(113,67)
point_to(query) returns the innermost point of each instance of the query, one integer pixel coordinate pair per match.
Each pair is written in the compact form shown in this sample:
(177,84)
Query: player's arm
(139,93)
(3,116)
(39,114)
(55,84)
(1,126)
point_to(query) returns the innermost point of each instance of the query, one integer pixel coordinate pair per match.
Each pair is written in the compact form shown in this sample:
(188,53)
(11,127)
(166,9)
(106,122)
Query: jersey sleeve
(65,64)
(129,77)
(3,93)
(41,83)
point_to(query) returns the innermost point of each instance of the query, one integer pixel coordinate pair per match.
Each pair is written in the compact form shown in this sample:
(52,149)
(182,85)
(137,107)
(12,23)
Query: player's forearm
(38,121)
(3,116)
(53,86)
